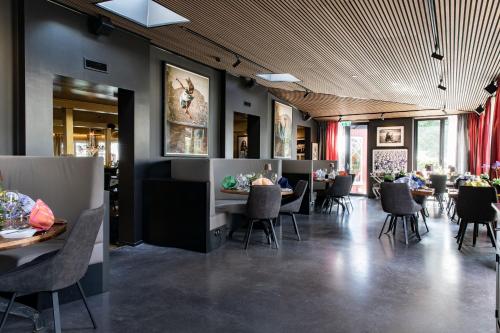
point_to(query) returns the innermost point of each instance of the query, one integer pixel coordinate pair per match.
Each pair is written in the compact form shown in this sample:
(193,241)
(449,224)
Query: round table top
(245,192)
(58,228)
(423,192)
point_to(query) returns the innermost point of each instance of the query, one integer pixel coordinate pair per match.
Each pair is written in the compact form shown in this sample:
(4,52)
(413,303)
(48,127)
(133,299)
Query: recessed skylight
(147,13)
(285,77)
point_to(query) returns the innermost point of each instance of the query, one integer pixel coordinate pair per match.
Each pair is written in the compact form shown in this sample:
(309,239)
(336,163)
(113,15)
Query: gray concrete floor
(339,278)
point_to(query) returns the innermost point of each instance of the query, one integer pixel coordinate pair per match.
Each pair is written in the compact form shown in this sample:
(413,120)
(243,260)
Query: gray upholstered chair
(57,270)
(292,207)
(338,192)
(474,206)
(398,202)
(438,183)
(263,205)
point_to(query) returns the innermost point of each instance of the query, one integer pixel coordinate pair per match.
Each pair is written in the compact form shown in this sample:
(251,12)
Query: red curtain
(331,140)
(473,124)
(495,135)
(480,141)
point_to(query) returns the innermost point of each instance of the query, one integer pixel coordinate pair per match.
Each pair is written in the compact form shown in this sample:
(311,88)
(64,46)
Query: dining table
(18,309)
(420,194)
(284,192)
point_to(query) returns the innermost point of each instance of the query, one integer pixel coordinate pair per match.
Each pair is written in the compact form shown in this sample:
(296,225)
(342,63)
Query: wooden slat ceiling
(356,56)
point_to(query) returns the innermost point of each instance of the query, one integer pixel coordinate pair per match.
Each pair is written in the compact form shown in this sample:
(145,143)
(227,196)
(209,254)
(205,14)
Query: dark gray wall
(6,77)
(372,140)
(56,42)
(157,57)
(262,106)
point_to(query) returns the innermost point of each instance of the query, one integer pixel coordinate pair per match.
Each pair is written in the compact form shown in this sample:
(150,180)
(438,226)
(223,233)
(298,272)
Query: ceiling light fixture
(340,119)
(147,13)
(283,77)
(440,85)
(434,27)
(437,56)
(217,59)
(237,62)
(479,109)
(307,93)
(381,116)
(354,76)
(491,88)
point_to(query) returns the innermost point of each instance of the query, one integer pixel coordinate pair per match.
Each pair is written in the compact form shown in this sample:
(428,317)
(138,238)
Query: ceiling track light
(340,119)
(382,116)
(237,62)
(440,85)
(307,93)
(491,88)
(437,56)
(479,109)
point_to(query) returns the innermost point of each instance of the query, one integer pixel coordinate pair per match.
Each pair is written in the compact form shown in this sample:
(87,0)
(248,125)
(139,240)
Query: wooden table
(246,192)
(422,192)
(19,309)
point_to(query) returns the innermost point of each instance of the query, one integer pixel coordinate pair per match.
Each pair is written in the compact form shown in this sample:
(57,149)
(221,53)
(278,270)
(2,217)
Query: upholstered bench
(230,206)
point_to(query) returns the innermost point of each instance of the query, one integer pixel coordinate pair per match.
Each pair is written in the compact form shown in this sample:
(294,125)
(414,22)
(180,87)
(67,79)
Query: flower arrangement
(388,177)
(478,182)
(495,182)
(485,176)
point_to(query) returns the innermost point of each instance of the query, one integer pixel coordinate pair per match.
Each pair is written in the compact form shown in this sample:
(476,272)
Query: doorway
(357,157)
(246,136)
(304,147)
(86,123)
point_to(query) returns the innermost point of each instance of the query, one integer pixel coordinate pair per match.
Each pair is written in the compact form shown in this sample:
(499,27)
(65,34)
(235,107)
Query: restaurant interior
(249,166)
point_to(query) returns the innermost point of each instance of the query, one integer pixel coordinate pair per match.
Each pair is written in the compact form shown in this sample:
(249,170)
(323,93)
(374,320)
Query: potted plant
(496,184)
(388,177)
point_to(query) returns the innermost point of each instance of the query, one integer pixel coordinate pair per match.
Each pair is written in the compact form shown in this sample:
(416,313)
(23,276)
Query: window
(436,142)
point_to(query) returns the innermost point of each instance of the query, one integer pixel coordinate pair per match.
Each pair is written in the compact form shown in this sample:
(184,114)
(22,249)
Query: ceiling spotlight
(354,76)
(307,93)
(443,109)
(479,109)
(217,59)
(382,116)
(491,88)
(440,86)
(306,116)
(437,56)
(237,62)
(340,119)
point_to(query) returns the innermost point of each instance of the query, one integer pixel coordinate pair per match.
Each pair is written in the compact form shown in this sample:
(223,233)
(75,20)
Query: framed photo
(390,136)
(390,160)
(186,112)
(282,131)
(242,146)
(315,151)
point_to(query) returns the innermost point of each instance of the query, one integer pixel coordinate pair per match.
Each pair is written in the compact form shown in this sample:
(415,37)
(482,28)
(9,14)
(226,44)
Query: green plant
(388,178)
(485,176)
(495,182)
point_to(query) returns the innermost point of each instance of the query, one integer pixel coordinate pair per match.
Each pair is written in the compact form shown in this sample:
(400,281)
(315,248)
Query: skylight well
(147,13)
(284,77)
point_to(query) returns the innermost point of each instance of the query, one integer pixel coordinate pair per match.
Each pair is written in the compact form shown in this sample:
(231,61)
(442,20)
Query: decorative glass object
(242,182)
(229,182)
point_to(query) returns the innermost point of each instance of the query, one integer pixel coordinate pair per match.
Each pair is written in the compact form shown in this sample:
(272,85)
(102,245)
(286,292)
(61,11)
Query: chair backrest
(396,198)
(341,186)
(438,183)
(71,262)
(298,196)
(460,181)
(474,203)
(264,202)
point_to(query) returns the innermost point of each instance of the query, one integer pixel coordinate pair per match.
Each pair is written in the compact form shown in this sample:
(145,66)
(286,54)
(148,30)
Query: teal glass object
(229,182)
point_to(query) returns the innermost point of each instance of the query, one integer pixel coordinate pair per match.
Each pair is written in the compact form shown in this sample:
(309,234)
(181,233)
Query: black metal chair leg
(84,299)
(57,314)
(391,224)
(474,234)
(7,311)
(405,227)
(296,226)
(249,233)
(462,235)
(491,234)
(274,234)
(417,232)
(394,225)
(382,230)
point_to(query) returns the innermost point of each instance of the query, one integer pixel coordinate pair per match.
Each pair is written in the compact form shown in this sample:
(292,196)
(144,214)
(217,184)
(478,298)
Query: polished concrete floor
(339,278)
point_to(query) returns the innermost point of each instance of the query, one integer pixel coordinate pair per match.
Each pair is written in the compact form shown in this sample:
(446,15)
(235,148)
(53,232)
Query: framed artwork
(315,151)
(390,136)
(186,112)
(282,131)
(390,160)
(242,146)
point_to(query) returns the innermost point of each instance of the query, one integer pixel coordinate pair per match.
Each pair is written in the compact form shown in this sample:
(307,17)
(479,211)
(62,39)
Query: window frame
(442,124)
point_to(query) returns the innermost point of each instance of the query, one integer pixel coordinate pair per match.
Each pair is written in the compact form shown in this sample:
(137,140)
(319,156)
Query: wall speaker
(100,25)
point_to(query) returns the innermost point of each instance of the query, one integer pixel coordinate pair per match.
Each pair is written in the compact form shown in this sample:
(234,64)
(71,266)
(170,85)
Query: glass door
(356,156)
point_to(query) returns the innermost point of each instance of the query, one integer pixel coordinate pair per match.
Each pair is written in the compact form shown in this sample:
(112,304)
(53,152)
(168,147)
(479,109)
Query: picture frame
(242,142)
(282,130)
(186,112)
(391,136)
(389,160)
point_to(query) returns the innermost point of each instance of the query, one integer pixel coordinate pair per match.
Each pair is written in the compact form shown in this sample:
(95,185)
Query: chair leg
(491,234)
(274,234)
(57,314)
(462,235)
(405,227)
(295,226)
(84,299)
(249,233)
(350,202)
(394,225)
(475,233)
(382,230)
(391,224)
(417,232)
(7,311)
